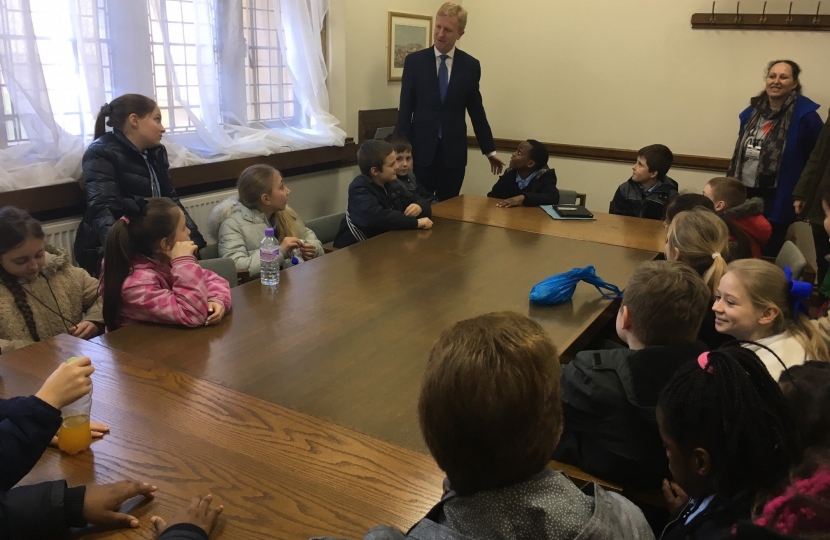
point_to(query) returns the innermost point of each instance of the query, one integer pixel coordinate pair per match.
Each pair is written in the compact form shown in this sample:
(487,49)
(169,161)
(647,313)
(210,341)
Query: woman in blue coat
(778,132)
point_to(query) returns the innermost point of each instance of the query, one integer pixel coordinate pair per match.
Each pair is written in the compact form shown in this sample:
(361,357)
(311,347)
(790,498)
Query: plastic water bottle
(296,257)
(269,268)
(75,434)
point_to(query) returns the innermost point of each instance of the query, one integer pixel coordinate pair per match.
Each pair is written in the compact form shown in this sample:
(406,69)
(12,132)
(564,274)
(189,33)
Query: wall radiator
(61,233)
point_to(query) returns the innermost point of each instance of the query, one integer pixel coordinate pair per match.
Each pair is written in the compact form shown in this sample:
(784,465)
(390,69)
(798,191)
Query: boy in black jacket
(378,202)
(609,396)
(528,181)
(403,168)
(48,510)
(649,190)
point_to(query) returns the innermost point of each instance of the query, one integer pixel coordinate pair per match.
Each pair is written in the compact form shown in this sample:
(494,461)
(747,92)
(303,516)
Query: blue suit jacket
(421,112)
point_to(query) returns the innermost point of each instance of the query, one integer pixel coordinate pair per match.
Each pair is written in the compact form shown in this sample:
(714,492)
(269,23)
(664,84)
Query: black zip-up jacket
(540,190)
(114,167)
(374,210)
(609,400)
(46,510)
(715,522)
(631,199)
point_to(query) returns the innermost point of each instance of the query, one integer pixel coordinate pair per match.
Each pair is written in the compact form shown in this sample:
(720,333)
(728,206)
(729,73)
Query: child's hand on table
(518,200)
(424,223)
(215,313)
(413,210)
(199,513)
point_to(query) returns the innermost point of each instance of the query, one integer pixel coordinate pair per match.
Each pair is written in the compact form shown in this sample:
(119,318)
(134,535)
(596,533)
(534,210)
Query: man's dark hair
(538,153)
(658,158)
(373,153)
(399,143)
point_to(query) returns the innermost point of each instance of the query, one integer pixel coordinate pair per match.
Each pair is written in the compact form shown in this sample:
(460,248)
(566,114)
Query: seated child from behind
(649,190)
(491,416)
(378,201)
(609,395)
(528,181)
(729,197)
(151,273)
(403,168)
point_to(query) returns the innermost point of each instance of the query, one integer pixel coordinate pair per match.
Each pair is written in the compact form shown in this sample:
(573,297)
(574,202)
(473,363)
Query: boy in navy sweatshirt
(528,181)
(403,168)
(378,202)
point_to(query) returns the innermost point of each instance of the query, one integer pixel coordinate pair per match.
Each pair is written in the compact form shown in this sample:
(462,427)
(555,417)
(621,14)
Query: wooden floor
(298,411)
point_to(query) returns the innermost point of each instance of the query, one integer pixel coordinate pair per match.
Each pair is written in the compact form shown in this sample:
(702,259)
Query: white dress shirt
(438,54)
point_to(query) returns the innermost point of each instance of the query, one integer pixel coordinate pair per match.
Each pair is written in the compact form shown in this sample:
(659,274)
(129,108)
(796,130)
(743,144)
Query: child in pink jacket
(150,272)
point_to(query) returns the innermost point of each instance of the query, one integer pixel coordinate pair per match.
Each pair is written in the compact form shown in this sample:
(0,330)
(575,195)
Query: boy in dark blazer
(438,85)
(378,202)
(528,181)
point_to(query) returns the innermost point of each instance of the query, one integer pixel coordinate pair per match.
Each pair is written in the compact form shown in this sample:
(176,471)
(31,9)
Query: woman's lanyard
(155,187)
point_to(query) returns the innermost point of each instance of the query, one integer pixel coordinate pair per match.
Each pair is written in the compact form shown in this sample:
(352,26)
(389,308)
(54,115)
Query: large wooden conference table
(614,230)
(347,336)
(279,473)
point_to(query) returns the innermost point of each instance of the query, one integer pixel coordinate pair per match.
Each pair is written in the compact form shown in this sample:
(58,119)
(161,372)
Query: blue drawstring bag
(560,288)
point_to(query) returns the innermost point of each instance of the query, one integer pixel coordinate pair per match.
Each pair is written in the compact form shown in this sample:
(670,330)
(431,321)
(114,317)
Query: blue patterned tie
(443,77)
(443,83)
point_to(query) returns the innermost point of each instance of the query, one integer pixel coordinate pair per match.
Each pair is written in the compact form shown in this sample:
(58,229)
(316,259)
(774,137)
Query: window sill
(67,199)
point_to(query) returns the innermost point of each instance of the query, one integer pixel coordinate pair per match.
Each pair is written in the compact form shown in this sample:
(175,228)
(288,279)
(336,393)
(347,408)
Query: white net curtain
(233,79)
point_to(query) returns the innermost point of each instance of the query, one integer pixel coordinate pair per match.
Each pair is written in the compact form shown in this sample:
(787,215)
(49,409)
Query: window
(270,94)
(63,73)
(181,22)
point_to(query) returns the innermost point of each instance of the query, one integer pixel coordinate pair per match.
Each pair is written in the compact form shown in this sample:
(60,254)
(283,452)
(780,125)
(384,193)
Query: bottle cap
(269,231)
(70,360)
(295,260)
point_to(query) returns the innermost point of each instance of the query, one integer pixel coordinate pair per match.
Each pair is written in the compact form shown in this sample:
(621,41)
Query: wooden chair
(369,121)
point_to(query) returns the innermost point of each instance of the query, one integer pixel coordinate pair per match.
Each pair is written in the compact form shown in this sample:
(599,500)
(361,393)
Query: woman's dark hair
(120,109)
(739,245)
(16,226)
(796,69)
(734,410)
(147,226)
(807,389)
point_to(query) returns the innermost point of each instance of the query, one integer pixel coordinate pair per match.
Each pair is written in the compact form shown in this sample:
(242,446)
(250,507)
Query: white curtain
(222,132)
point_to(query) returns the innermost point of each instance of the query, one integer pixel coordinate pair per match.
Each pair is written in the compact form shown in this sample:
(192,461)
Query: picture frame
(408,33)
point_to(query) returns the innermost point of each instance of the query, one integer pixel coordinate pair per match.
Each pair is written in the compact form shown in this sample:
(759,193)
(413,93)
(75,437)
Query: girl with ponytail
(150,272)
(729,435)
(755,303)
(41,293)
(128,161)
(700,239)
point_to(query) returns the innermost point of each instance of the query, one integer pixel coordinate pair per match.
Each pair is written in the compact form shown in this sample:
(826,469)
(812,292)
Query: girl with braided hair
(41,293)
(729,435)
(755,303)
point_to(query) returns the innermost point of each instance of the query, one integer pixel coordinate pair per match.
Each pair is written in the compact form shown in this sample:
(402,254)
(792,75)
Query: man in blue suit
(438,85)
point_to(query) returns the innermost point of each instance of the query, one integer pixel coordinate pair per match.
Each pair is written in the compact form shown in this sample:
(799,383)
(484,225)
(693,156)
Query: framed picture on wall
(407,33)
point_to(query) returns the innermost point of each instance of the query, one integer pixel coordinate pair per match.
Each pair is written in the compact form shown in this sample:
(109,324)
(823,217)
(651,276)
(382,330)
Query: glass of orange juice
(74,435)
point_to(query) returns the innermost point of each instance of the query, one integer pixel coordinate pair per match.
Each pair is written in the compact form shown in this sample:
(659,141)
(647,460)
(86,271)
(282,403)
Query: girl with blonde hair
(239,223)
(700,239)
(754,303)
